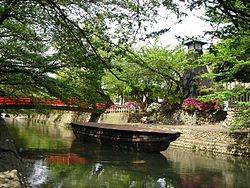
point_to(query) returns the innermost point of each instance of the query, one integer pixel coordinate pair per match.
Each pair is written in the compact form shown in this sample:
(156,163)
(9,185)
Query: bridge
(7,102)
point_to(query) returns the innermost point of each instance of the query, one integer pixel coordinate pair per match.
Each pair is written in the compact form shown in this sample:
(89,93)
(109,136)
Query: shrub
(243,120)
(193,104)
(130,104)
(153,107)
(170,105)
(113,106)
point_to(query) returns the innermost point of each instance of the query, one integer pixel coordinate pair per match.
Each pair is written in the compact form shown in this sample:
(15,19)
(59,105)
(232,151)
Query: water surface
(55,159)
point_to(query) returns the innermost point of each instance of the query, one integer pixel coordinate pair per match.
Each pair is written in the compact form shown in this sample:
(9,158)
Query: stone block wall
(213,139)
(118,118)
(180,117)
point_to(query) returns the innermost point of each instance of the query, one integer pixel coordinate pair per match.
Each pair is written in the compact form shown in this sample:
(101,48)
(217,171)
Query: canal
(54,159)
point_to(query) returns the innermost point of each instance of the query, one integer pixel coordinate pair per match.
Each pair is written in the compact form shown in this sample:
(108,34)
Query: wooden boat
(124,136)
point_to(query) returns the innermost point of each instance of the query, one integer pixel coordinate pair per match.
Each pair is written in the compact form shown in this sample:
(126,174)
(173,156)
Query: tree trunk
(95,117)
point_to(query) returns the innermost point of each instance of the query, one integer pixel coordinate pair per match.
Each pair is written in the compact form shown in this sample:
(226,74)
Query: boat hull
(124,137)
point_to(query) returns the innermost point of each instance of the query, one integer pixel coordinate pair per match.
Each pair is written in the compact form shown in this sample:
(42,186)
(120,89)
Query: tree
(151,72)
(42,37)
(228,17)
(230,60)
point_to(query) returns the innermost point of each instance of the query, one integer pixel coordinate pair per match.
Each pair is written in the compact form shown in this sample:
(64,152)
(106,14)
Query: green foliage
(230,60)
(83,84)
(224,94)
(63,49)
(40,38)
(150,72)
(228,18)
(242,120)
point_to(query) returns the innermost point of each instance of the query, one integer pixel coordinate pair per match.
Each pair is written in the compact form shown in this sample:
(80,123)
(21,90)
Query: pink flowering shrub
(113,106)
(129,104)
(193,104)
(170,105)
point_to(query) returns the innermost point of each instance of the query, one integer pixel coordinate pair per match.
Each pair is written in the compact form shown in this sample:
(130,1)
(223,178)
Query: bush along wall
(204,112)
(190,112)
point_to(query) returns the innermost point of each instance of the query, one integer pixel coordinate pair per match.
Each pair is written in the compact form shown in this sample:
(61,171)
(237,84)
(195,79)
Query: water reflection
(90,165)
(67,158)
(204,169)
(55,159)
(127,168)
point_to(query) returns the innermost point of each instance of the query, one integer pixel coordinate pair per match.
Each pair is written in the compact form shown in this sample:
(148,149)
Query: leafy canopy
(150,72)
(40,38)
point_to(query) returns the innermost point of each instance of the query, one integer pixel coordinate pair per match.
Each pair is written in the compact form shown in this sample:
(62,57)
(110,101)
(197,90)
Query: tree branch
(66,21)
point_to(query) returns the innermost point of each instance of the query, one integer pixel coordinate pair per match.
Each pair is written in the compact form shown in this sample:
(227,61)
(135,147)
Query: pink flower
(129,104)
(113,106)
(195,104)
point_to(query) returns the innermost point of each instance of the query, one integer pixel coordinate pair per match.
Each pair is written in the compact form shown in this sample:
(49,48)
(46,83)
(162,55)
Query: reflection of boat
(121,168)
(154,163)
(125,137)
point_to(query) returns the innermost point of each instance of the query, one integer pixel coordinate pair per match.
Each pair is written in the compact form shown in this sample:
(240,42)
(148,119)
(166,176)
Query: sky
(191,26)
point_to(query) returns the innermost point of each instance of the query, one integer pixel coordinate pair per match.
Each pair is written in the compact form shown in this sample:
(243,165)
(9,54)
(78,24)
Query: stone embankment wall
(54,116)
(181,117)
(213,139)
(178,117)
(118,118)
(62,116)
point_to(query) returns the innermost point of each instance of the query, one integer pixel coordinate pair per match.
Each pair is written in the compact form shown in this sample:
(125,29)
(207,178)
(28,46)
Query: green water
(55,159)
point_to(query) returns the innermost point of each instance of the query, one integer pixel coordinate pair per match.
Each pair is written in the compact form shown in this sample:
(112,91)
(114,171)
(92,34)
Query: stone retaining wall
(214,140)
(180,117)
(54,116)
(118,117)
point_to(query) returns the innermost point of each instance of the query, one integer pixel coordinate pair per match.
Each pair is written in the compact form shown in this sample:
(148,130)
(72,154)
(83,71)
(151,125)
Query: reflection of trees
(39,135)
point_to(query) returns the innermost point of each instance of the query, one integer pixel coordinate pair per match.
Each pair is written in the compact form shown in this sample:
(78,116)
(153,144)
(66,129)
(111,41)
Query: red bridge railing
(5,100)
(28,100)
